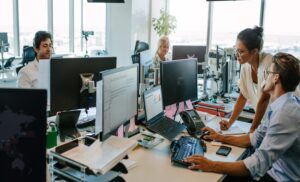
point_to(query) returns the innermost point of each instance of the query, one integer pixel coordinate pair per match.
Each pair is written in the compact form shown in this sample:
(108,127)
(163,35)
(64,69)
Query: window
(282,31)
(31,21)
(77,27)
(6,22)
(94,16)
(191,18)
(61,26)
(230,17)
(94,20)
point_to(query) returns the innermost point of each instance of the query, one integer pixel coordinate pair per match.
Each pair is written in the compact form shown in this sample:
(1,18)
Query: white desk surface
(155,164)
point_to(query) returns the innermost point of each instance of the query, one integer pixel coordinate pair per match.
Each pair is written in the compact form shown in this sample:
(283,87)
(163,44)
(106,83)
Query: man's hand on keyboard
(199,162)
(210,134)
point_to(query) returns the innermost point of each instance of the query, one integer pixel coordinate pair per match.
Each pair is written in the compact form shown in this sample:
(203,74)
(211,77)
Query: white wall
(118,28)
(128,22)
(140,21)
(156,5)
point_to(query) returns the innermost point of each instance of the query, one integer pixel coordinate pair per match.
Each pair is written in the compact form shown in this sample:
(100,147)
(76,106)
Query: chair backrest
(135,58)
(140,46)
(28,54)
(9,62)
(19,68)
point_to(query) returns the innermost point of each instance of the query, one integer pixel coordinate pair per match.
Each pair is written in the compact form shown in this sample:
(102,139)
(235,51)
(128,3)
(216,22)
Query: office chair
(139,47)
(8,63)
(28,54)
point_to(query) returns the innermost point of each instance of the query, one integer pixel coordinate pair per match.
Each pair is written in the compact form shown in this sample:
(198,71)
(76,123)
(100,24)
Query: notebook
(155,119)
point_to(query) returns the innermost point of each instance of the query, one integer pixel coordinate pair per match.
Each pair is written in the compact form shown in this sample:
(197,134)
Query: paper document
(233,130)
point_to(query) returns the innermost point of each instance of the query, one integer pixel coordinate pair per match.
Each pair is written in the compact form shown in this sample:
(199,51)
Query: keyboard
(184,147)
(84,124)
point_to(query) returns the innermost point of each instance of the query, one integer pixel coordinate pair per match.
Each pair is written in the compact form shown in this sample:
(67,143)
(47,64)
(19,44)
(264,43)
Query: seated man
(277,140)
(28,75)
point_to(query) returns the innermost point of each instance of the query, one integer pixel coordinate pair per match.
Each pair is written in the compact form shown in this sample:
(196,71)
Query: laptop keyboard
(168,128)
(163,126)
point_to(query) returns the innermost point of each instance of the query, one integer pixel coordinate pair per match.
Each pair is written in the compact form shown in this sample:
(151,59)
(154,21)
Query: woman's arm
(238,107)
(261,108)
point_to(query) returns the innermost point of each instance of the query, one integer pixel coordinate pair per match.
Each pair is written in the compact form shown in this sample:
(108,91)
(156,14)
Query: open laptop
(155,119)
(23,134)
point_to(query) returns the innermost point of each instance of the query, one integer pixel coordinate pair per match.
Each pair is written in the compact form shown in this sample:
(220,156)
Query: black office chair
(8,63)
(28,54)
(139,47)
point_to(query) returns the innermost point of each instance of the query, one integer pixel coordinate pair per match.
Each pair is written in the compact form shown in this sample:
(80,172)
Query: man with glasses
(28,75)
(277,140)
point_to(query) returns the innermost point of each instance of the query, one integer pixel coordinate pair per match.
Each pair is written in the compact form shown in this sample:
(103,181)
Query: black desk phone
(193,122)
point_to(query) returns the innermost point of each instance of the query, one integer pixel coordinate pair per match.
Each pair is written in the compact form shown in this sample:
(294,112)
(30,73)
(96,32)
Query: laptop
(23,134)
(155,119)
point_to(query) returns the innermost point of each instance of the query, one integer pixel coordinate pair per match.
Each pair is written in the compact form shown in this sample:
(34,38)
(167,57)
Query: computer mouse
(204,134)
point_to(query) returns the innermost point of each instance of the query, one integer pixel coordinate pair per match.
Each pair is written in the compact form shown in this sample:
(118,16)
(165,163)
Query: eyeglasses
(239,52)
(267,72)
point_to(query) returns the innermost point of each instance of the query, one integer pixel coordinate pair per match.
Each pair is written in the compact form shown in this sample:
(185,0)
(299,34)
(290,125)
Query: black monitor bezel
(61,100)
(165,92)
(184,49)
(29,101)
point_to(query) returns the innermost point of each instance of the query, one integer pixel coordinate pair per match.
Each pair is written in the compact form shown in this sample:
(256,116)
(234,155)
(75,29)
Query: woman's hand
(224,125)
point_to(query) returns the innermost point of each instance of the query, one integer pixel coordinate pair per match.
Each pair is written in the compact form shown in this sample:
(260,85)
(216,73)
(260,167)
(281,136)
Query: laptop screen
(23,134)
(153,102)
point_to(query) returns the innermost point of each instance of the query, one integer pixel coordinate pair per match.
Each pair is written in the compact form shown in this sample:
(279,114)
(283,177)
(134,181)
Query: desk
(155,164)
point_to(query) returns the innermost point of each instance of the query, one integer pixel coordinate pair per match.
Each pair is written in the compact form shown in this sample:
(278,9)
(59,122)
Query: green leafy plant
(165,24)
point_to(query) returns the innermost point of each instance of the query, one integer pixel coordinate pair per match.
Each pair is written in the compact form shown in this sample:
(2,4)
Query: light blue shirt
(277,142)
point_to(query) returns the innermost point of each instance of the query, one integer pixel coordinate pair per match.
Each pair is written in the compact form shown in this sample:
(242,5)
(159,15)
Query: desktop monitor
(23,134)
(225,78)
(66,77)
(178,79)
(190,51)
(145,65)
(119,98)
(4,41)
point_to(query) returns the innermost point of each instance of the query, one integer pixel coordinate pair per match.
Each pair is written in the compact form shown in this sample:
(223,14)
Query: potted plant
(165,24)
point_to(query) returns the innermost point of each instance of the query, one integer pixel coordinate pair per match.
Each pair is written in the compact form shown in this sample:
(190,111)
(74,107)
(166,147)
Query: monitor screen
(119,93)
(145,64)
(153,102)
(225,78)
(66,74)
(3,37)
(4,40)
(190,51)
(23,134)
(178,79)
